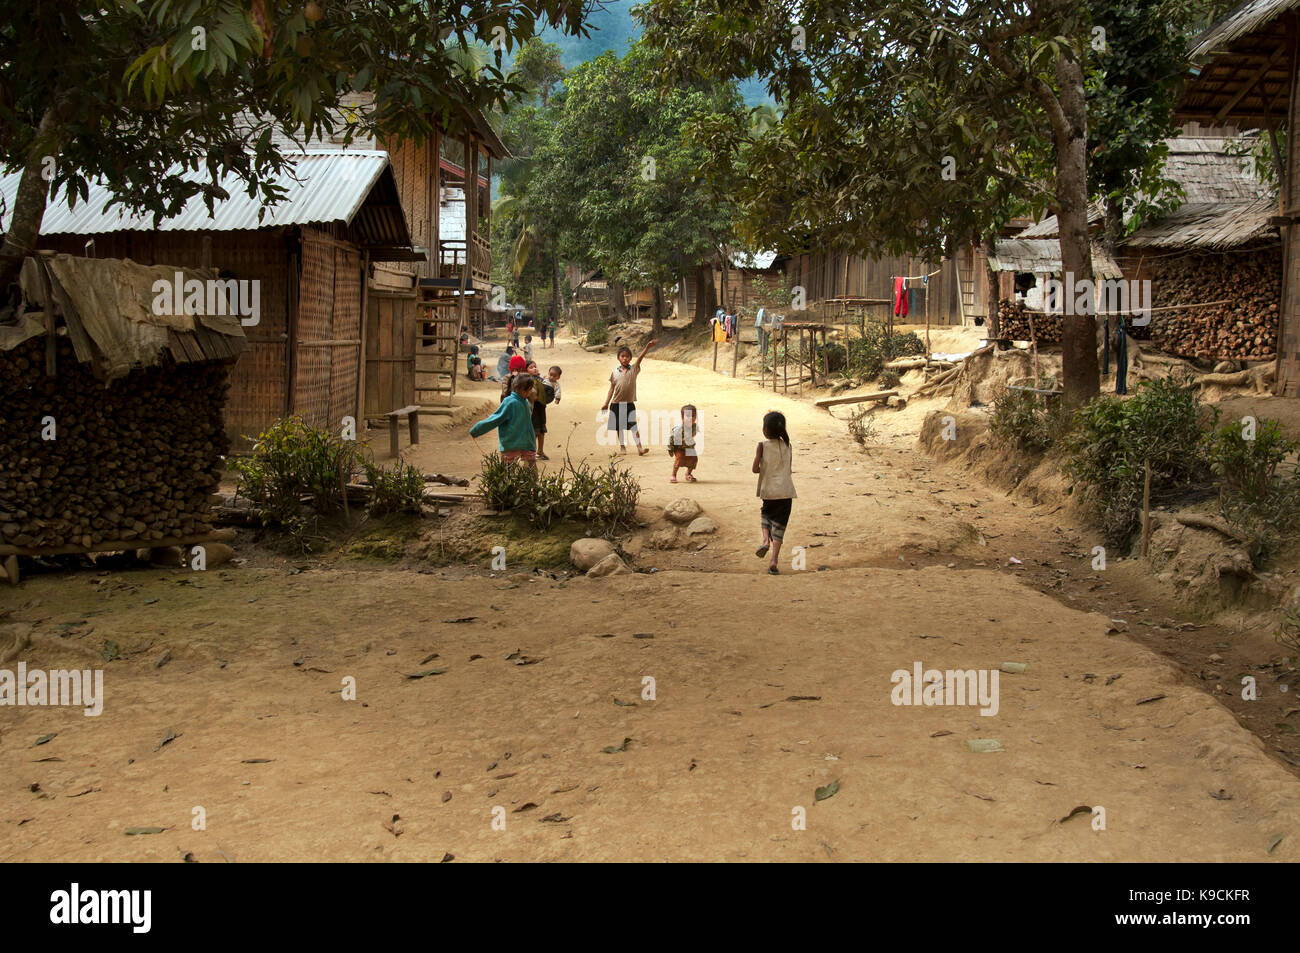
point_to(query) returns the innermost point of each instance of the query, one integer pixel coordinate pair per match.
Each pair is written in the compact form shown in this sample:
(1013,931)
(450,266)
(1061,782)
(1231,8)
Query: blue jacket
(513,422)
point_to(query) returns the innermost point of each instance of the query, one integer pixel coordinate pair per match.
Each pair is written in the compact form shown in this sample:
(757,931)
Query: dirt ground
(765,689)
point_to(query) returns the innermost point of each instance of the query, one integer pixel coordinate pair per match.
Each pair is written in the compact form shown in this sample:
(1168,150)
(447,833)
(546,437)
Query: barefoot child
(513,423)
(681,444)
(621,399)
(772,463)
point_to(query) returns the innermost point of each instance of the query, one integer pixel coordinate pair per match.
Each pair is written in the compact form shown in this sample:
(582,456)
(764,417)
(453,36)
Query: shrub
(598,333)
(1248,468)
(1113,439)
(396,490)
(1031,423)
(291,460)
(605,497)
(888,378)
(862,427)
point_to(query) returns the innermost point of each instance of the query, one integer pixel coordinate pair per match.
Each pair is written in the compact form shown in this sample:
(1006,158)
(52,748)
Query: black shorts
(775,516)
(622,416)
(539,417)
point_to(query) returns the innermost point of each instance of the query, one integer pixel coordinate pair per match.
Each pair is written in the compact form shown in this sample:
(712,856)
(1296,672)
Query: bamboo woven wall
(259,380)
(328,331)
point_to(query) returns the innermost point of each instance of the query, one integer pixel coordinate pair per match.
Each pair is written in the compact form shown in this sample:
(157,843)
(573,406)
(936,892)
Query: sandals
(642,451)
(690,478)
(542,456)
(762,550)
(773,571)
(672,479)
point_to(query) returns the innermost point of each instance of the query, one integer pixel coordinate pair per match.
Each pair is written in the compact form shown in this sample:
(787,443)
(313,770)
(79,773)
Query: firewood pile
(137,460)
(1014,319)
(1244,328)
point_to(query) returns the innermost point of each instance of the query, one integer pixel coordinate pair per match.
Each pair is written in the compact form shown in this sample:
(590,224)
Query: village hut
(1245,71)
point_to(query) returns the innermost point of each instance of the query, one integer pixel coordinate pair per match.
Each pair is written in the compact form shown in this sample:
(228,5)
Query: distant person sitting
(503,364)
(473,364)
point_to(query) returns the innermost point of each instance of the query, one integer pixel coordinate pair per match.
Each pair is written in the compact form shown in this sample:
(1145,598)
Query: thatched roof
(107,308)
(1225,204)
(1043,256)
(1243,72)
(1209,225)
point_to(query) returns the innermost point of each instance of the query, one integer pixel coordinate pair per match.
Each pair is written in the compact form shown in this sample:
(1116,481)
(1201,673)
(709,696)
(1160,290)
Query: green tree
(133,93)
(910,125)
(621,170)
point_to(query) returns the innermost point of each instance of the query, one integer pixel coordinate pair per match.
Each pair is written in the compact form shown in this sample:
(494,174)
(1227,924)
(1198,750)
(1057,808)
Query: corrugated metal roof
(760,261)
(323,186)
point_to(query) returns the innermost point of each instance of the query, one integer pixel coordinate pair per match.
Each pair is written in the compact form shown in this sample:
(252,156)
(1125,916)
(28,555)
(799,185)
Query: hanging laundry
(900,297)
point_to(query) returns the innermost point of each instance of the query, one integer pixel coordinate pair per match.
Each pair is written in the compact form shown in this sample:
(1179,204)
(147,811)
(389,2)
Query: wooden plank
(119,545)
(836,401)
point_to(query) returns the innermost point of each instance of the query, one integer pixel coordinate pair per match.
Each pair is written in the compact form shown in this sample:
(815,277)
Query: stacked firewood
(1014,323)
(1244,328)
(137,460)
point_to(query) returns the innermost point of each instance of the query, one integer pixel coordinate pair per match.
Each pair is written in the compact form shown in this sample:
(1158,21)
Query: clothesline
(918,277)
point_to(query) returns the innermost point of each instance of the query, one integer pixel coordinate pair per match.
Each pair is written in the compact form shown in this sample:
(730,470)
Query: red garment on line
(900,297)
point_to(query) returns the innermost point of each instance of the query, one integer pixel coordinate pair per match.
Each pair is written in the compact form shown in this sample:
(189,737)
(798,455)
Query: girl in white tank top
(773,464)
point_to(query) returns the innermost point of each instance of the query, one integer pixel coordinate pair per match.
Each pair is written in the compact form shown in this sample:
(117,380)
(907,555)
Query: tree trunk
(706,295)
(619,293)
(29,206)
(555,285)
(992,288)
(1080,373)
(657,321)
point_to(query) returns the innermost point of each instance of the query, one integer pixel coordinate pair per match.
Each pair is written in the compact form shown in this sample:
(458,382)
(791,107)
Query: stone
(700,525)
(896,403)
(611,565)
(585,553)
(666,538)
(216,554)
(682,510)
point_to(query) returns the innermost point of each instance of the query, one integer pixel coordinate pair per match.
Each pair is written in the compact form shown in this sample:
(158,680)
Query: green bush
(598,333)
(1031,423)
(866,355)
(396,490)
(291,460)
(604,497)
(888,378)
(1113,439)
(1248,468)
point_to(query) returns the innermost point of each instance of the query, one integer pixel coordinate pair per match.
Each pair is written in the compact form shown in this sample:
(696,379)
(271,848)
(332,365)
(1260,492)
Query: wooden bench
(411,414)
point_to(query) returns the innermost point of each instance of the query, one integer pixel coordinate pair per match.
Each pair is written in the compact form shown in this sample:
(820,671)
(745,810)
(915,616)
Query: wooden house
(1245,72)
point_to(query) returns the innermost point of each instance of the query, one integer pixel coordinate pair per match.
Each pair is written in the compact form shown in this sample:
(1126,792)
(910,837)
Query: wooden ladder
(437,350)
(966,284)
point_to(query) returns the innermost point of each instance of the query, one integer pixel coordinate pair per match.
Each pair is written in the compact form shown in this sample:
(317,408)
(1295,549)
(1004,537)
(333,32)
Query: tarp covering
(111,312)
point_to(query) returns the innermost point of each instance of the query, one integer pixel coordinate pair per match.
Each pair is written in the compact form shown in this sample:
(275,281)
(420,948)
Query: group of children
(520,422)
(520,419)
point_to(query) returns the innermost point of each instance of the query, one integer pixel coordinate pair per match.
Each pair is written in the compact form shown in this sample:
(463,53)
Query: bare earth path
(720,761)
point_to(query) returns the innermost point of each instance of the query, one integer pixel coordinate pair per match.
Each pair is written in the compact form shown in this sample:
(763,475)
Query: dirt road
(543,739)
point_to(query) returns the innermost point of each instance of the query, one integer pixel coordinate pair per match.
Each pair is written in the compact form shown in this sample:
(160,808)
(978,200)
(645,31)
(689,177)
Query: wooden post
(365,318)
(715,349)
(51,343)
(1146,506)
(735,354)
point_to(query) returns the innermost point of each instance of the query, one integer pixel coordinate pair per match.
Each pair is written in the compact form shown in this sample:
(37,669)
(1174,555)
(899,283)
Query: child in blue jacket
(513,422)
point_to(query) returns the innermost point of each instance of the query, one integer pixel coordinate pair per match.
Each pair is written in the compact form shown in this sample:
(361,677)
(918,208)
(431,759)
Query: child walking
(681,444)
(513,423)
(621,399)
(772,463)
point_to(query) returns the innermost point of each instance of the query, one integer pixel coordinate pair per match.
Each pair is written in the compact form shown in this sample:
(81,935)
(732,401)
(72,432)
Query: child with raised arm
(772,463)
(513,423)
(621,399)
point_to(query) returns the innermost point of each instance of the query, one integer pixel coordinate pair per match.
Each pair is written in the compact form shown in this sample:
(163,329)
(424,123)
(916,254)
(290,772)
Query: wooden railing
(452,255)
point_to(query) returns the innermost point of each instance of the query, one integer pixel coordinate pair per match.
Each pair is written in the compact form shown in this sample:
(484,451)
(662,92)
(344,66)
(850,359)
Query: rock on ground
(586,553)
(666,538)
(682,510)
(701,524)
(611,565)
